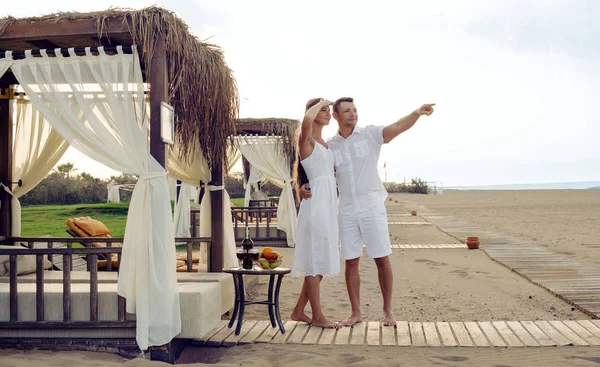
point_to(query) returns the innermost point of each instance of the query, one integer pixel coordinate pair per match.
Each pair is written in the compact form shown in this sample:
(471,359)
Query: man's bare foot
(326,324)
(301,317)
(388,319)
(352,320)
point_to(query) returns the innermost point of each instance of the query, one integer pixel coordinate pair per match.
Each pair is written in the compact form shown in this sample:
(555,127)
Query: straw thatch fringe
(202,89)
(285,128)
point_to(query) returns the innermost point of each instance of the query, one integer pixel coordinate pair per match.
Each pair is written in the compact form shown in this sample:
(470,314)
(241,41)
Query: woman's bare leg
(313,288)
(298,313)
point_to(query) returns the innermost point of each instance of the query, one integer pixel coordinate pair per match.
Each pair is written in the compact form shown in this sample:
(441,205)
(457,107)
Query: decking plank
(462,335)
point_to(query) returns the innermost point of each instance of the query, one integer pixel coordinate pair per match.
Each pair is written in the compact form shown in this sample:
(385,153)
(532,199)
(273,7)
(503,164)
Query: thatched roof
(285,128)
(202,89)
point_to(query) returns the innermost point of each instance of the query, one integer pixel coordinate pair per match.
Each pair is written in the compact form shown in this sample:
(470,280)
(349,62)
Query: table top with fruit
(268,261)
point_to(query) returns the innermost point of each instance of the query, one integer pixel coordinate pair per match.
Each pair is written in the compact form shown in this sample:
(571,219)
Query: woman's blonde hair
(300,177)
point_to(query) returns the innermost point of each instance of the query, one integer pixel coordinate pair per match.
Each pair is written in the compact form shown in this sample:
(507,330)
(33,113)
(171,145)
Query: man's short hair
(339,101)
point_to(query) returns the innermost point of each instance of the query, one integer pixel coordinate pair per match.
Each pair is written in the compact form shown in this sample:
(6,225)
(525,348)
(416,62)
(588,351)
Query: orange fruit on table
(266,250)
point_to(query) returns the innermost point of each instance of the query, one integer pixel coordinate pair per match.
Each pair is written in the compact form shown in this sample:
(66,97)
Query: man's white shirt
(356,160)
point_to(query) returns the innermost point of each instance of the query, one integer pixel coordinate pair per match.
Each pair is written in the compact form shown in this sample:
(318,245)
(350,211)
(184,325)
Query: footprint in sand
(452,358)
(460,273)
(429,262)
(350,359)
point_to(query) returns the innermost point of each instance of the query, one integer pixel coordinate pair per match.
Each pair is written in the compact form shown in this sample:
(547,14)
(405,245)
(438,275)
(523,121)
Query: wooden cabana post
(6,142)
(159,92)
(215,255)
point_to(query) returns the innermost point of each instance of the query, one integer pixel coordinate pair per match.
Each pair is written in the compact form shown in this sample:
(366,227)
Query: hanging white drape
(114,196)
(36,150)
(181,222)
(264,153)
(255,177)
(96,103)
(5,63)
(233,156)
(194,172)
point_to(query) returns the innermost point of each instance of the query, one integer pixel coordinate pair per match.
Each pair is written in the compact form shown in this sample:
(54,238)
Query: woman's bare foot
(301,316)
(326,324)
(388,319)
(352,320)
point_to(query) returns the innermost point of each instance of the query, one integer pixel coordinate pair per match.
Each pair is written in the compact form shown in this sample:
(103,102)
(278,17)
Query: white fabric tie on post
(214,188)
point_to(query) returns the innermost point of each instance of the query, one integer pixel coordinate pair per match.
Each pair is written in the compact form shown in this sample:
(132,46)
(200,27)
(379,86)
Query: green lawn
(43,220)
(239,202)
(49,220)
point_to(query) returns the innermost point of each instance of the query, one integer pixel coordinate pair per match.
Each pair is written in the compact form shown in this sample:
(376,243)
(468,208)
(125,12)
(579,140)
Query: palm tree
(66,169)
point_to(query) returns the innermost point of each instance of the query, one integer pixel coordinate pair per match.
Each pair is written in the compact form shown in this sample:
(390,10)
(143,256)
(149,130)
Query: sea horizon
(573,185)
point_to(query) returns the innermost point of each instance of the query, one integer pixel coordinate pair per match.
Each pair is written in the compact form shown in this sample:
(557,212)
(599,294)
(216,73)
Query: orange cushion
(91,226)
(71,224)
(183,269)
(88,227)
(195,258)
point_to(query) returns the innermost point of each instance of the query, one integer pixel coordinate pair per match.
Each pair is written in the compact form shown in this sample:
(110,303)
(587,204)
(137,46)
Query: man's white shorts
(370,228)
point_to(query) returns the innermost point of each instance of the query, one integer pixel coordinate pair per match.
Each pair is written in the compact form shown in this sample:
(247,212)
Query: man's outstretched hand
(426,109)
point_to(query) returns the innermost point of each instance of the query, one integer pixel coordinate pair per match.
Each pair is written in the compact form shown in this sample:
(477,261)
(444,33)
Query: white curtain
(194,172)
(5,63)
(36,149)
(114,195)
(255,177)
(233,156)
(181,223)
(96,103)
(264,153)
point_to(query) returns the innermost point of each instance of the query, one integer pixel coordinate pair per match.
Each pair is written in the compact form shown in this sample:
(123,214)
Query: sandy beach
(429,285)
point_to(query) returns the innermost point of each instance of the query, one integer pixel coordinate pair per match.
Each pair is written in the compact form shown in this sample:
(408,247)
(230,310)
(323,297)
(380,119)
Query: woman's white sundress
(317,251)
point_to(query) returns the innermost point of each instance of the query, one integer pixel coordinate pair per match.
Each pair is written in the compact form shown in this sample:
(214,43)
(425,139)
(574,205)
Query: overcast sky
(515,82)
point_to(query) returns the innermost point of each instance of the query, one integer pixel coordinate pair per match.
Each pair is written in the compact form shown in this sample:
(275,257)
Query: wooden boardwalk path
(429,245)
(576,284)
(418,334)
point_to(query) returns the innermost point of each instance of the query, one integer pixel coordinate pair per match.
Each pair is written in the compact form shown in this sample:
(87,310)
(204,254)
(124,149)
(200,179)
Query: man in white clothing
(362,215)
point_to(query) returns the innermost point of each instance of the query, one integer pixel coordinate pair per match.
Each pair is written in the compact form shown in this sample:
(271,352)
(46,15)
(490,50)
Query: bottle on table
(247,246)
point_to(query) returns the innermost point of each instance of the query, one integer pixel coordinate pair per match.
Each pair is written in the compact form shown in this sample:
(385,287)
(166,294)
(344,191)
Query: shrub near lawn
(416,186)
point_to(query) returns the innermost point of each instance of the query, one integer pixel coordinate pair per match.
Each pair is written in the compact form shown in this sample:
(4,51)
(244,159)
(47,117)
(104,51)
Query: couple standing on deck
(350,158)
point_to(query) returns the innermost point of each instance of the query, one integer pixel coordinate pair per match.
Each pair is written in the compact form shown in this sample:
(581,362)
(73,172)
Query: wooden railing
(68,253)
(262,222)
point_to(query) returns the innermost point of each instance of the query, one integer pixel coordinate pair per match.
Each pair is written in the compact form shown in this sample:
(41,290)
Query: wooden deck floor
(429,245)
(406,334)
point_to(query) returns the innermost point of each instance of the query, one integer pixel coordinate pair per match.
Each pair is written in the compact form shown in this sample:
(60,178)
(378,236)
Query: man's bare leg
(386,281)
(313,289)
(353,286)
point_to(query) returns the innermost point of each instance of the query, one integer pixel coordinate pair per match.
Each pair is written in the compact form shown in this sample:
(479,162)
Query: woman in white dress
(316,254)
